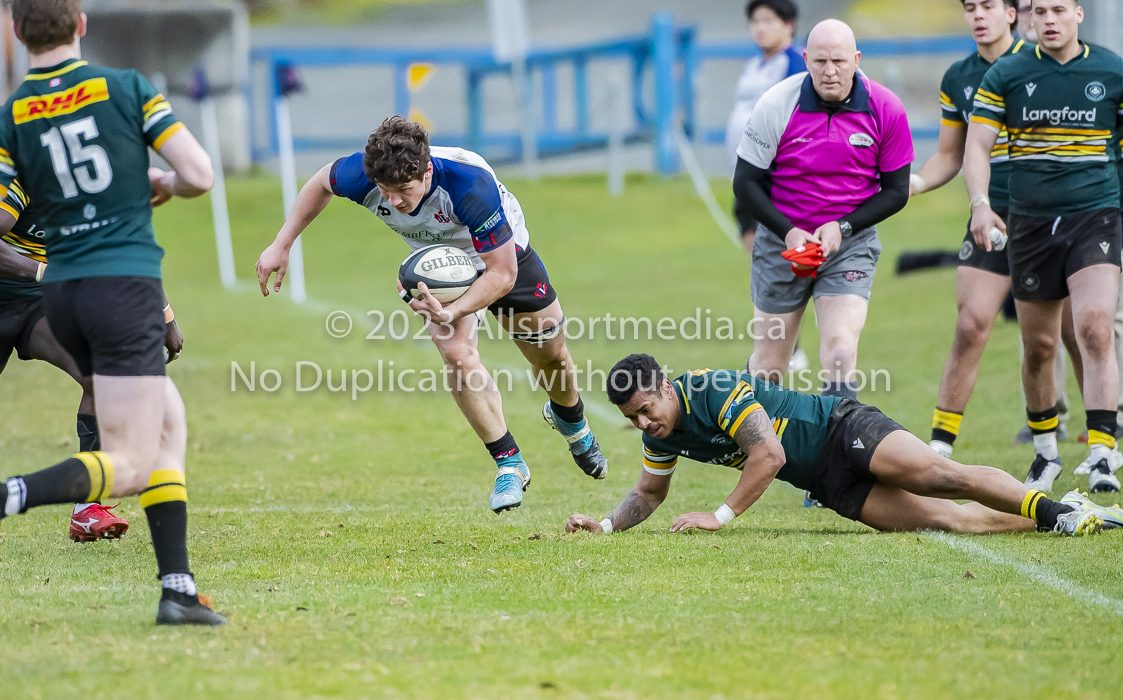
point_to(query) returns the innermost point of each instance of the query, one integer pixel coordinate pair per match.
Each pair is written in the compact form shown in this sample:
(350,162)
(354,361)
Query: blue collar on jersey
(859,100)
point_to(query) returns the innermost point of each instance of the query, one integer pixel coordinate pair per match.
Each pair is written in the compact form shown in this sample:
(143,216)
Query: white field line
(1033,572)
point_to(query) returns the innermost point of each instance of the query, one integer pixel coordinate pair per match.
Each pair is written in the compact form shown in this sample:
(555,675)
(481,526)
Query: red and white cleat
(97,522)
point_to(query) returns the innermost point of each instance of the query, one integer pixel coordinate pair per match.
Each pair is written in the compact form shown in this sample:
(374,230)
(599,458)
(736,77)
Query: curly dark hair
(636,372)
(46,24)
(397,152)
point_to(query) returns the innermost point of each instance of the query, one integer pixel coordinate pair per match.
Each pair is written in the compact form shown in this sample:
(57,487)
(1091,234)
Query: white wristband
(724,515)
(979,200)
(39,271)
(606,525)
(918,183)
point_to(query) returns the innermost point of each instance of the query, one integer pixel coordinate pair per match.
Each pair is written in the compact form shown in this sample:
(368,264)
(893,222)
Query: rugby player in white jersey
(452,197)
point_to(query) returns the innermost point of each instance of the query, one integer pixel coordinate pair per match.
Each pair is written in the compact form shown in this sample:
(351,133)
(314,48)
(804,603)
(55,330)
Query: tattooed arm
(636,507)
(765,457)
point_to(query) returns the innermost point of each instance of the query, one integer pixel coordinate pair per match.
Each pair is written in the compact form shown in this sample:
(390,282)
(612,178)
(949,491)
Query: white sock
(1046,446)
(182,583)
(16,496)
(1099,452)
(79,507)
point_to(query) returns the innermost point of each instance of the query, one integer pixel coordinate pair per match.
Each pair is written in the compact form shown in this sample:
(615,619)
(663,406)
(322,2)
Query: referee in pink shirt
(825,157)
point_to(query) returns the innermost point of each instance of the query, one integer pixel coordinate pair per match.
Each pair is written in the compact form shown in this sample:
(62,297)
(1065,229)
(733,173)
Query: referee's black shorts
(112,326)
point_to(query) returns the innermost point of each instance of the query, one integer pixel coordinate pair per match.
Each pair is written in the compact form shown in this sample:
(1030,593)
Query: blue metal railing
(671,57)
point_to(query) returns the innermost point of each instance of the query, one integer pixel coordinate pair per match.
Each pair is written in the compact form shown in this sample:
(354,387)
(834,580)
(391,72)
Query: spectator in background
(1025,27)
(772,23)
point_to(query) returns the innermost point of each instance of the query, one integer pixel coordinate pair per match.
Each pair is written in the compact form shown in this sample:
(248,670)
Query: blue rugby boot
(583,444)
(511,480)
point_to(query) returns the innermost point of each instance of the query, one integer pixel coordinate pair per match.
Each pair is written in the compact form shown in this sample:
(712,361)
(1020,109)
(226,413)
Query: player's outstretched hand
(702,521)
(983,219)
(830,237)
(582,522)
(272,259)
(162,183)
(173,340)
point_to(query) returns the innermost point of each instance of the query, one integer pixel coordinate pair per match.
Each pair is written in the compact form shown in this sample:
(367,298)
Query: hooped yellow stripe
(1046,425)
(741,418)
(660,466)
(60,71)
(779,427)
(163,486)
(946,420)
(1098,437)
(10,209)
(1029,504)
(154,101)
(168,133)
(100,468)
(976,119)
(944,121)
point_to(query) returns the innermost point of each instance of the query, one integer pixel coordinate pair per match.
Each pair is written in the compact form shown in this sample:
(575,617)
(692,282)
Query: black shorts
(17,318)
(1044,253)
(112,326)
(971,255)
(532,291)
(843,482)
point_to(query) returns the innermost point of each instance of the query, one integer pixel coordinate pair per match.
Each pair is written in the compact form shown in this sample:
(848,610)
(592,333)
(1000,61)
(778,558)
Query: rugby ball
(445,270)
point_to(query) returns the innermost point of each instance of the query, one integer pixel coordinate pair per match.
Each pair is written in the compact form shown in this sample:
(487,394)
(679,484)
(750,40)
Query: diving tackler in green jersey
(714,403)
(1063,123)
(57,132)
(957,99)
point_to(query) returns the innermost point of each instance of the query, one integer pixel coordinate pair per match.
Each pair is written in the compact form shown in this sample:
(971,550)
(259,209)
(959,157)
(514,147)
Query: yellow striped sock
(1097,437)
(946,420)
(1029,504)
(1044,426)
(101,474)
(164,485)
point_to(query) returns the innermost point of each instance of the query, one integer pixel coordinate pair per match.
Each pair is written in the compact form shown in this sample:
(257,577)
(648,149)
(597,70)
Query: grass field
(350,544)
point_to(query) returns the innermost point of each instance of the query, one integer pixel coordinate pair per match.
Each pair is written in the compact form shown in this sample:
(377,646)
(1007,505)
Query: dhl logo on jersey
(57,104)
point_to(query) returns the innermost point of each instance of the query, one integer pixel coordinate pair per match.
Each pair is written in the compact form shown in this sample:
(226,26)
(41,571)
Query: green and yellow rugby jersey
(26,238)
(1063,122)
(714,403)
(957,99)
(78,136)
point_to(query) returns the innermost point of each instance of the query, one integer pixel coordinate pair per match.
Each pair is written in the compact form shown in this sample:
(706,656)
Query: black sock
(66,482)
(1041,422)
(1047,512)
(167,522)
(503,447)
(569,414)
(89,440)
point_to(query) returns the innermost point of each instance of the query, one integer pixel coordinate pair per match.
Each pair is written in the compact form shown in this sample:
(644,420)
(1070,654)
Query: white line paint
(1033,572)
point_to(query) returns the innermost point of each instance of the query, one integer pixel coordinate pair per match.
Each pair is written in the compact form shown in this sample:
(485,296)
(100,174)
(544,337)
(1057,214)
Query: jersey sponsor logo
(422,234)
(857,444)
(57,104)
(860,140)
(1031,88)
(55,82)
(968,92)
(442,218)
(68,230)
(720,440)
(855,275)
(1105,246)
(803,140)
(1058,116)
(89,211)
(966,249)
(540,290)
(491,222)
(1095,91)
(383,211)
(752,136)
(1030,282)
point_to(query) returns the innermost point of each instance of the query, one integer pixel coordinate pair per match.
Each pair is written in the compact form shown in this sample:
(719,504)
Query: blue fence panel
(671,55)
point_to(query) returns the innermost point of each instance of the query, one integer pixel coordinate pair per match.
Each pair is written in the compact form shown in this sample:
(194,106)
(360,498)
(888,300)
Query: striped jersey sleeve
(949,115)
(657,462)
(990,102)
(740,404)
(15,201)
(159,122)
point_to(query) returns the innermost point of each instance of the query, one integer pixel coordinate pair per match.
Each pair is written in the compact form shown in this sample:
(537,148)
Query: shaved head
(832,59)
(832,33)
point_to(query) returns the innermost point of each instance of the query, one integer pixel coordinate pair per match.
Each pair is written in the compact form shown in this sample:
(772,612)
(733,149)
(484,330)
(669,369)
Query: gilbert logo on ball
(447,271)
